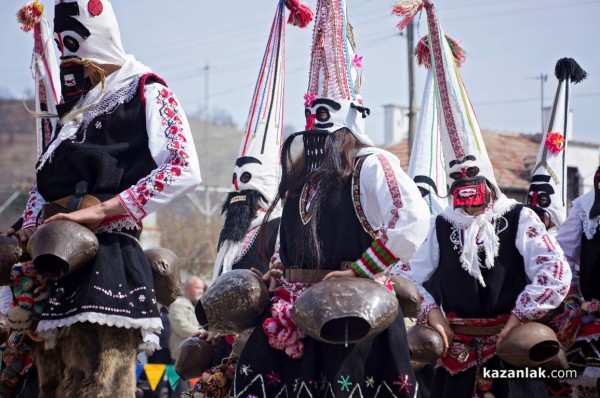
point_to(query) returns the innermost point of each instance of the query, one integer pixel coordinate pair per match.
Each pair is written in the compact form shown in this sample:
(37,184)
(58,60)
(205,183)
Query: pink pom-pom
(295,350)
(300,13)
(270,326)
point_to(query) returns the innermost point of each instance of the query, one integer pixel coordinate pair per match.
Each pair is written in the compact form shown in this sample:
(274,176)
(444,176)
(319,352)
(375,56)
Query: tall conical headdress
(44,67)
(426,166)
(88,29)
(465,156)
(548,189)
(333,99)
(258,164)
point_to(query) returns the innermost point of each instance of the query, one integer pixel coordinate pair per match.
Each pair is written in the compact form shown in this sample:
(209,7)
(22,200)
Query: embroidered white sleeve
(172,147)
(422,265)
(32,208)
(545,265)
(569,239)
(393,205)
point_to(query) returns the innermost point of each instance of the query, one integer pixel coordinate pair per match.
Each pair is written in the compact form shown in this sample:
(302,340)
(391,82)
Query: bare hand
(23,234)
(206,335)
(339,274)
(92,216)
(271,282)
(438,322)
(512,322)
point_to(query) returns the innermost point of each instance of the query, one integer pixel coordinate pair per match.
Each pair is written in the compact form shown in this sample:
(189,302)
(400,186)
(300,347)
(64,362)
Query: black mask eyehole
(322,114)
(233,178)
(457,175)
(71,43)
(543,200)
(245,177)
(472,171)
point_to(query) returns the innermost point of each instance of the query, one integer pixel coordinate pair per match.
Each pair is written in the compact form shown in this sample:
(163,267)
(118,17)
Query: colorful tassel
(300,13)
(423,53)
(406,9)
(569,68)
(30,15)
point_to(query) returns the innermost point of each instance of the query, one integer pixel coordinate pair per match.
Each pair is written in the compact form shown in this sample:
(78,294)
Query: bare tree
(191,238)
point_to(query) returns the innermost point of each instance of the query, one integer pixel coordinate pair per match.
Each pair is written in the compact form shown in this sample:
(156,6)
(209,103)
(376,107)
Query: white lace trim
(109,103)
(51,330)
(118,225)
(590,227)
(589,338)
(248,245)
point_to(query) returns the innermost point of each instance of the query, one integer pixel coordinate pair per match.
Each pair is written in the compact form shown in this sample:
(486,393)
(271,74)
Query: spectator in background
(182,319)
(182,316)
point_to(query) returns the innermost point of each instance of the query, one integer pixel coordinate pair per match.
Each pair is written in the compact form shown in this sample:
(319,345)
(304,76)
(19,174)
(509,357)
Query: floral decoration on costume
(555,142)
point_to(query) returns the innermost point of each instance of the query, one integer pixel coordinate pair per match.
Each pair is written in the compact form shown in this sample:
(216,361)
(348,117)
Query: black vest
(589,271)
(340,232)
(111,154)
(459,292)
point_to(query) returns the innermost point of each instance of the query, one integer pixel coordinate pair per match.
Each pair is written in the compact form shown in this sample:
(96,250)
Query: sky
(509,44)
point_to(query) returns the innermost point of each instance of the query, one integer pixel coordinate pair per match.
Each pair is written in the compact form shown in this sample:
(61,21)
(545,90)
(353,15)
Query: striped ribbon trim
(376,259)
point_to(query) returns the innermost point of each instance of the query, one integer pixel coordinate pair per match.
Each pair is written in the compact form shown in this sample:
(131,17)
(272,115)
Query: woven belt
(298,275)
(477,330)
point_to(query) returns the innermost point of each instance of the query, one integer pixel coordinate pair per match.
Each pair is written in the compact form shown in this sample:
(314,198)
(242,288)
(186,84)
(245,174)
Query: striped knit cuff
(376,259)
(276,270)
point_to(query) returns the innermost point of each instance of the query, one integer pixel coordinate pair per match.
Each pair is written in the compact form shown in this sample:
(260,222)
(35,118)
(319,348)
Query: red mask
(470,194)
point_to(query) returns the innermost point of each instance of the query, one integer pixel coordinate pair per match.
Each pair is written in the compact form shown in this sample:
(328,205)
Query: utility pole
(542,78)
(410,44)
(206,107)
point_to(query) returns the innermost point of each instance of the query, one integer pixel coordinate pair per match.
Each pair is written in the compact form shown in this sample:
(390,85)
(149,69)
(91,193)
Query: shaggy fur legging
(92,361)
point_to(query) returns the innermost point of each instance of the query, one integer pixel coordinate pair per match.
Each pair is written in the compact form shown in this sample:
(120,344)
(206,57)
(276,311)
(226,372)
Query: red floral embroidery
(392,183)
(555,142)
(95,7)
(532,232)
(405,267)
(525,299)
(541,260)
(273,378)
(544,297)
(542,279)
(176,144)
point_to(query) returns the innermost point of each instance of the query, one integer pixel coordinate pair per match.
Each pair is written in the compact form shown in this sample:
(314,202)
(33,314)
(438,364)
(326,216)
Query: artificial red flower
(555,142)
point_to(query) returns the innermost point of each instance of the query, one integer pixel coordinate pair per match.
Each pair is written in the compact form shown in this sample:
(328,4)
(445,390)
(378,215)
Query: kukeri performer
(123,147)
(498,265)
(349,212)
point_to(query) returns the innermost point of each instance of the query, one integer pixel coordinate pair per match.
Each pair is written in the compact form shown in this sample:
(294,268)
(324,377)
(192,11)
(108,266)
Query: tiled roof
(512,155)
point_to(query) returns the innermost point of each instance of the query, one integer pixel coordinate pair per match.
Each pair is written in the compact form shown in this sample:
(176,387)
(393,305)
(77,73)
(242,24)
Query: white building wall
(585,157)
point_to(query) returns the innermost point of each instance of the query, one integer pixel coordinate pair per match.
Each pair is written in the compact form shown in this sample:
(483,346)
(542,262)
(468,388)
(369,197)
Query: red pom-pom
(300,13)
(423,53)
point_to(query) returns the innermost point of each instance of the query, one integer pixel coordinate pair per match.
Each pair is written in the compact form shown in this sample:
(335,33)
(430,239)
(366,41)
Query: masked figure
(497,264)
(349,212)
(123,142)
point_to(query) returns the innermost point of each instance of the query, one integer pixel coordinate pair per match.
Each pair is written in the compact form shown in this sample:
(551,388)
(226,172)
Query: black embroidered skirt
(115,289)
(376,367)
